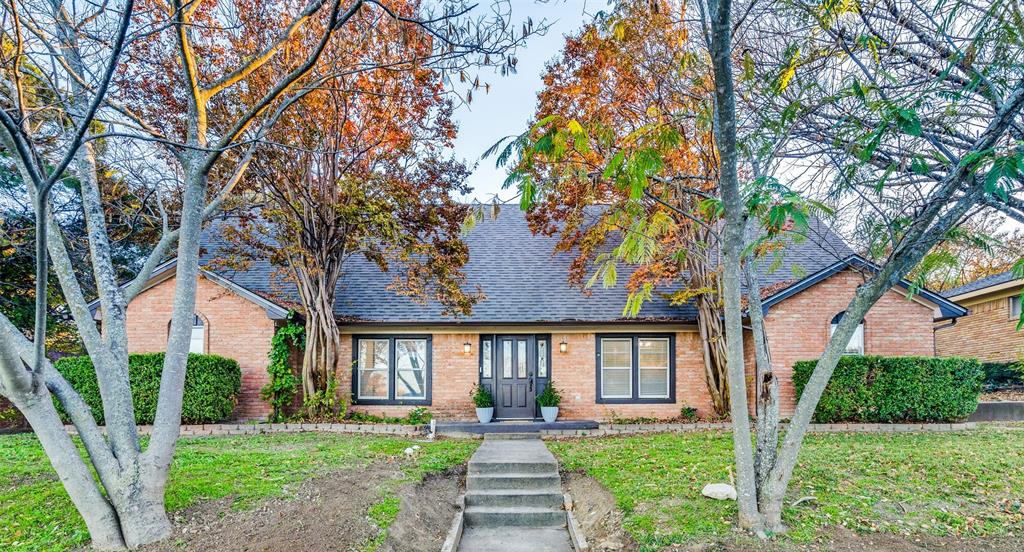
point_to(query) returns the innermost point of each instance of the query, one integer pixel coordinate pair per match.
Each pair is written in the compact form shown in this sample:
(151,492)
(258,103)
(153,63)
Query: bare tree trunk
(720,28)
(320,360)
(712,335)
(767,393)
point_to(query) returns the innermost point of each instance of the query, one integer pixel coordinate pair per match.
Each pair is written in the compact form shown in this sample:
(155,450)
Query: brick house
(532,328)
(989,329)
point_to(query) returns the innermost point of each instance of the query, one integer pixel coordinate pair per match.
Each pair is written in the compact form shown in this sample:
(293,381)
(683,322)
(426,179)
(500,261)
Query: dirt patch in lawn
(595,511)
(328,512)
(426,512)
(323,513)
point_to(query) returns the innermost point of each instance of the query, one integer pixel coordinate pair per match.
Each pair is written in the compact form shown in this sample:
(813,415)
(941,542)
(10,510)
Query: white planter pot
(485,414)
(550,413)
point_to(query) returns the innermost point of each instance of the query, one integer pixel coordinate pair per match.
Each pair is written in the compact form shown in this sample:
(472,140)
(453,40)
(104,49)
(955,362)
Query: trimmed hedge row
(212,384)
(874,389)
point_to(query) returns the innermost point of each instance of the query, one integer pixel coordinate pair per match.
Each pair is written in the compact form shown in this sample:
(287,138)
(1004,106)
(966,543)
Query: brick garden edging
(632,429)
(400,430)
(204,430)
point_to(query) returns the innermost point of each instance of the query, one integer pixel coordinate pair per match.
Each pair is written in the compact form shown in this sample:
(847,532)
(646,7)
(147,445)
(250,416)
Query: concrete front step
(497,498)
(487,467)
(513,481)
(515,539)
(512,436)
(514,516)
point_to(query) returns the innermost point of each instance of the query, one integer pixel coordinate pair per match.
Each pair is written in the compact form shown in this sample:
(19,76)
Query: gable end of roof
(947,308)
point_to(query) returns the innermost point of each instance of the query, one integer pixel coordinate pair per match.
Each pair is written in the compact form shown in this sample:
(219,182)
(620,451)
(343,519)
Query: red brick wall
(235,328)
(988,332)
(798,328)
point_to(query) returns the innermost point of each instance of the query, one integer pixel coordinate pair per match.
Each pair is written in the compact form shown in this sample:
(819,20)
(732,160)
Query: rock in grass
(719,491)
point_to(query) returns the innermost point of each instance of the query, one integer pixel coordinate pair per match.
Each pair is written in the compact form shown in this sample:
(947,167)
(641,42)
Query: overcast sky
(512,100)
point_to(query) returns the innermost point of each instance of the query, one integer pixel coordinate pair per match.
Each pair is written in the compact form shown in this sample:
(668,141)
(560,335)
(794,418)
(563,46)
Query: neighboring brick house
(531,328)
(989,329)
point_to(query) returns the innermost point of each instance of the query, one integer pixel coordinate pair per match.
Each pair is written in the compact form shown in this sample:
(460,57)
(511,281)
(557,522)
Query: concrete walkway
(514,497)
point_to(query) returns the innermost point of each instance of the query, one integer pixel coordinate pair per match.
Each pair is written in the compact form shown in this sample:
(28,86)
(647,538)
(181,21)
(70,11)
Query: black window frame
(635,368)
(392,367)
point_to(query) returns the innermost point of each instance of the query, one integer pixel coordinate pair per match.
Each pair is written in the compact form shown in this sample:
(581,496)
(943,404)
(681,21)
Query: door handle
(531,383)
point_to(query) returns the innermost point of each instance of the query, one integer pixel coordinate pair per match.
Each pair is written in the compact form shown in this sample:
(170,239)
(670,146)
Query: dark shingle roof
(981,283)
(523,279)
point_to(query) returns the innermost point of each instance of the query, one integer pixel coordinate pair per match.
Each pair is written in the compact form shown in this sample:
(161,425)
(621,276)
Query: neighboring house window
(635,368)
(856,344)
(1015,307)
(197,339)
(391,369)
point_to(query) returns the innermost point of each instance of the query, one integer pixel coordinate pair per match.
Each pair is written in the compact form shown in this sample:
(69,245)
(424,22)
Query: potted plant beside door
(549,399)
(484,402)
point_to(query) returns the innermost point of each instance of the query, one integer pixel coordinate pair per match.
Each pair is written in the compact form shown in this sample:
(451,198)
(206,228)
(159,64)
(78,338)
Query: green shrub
(1002,375)
(212,384)
(481,397)
(549,396)
(896,389)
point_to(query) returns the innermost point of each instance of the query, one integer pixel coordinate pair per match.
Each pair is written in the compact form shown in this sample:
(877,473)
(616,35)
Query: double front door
(515,376)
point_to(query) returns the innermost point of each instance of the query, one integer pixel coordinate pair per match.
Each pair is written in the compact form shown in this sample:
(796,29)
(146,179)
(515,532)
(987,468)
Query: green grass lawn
(36,513)
(968,484)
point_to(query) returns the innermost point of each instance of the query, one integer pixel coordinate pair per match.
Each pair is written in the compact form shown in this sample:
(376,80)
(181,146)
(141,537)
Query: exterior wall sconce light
(563,347)
(466,348)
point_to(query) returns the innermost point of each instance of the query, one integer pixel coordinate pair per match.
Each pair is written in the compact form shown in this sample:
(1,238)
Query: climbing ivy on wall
(283,385)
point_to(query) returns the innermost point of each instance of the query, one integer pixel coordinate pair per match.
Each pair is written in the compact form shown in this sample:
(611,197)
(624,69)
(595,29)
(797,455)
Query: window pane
(616,383)
(521,359)
(411,354)
(373,384)
(617,353)
(654,382)
(373,354)
(1015,306)
(410,369)
(485,351)
(856,344)
(542,359)
(197,342)
(653,353)
(506,358)
(373,369)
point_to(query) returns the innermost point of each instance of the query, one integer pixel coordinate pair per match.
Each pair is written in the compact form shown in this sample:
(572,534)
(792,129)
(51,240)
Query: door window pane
(542,358)
(521,358)
(485,352)
(617,368)
(410,369)
(506,358)
(373,369)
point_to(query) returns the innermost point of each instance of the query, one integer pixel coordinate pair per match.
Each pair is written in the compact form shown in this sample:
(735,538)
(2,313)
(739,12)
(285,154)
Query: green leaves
(1003,171)
(908,121)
